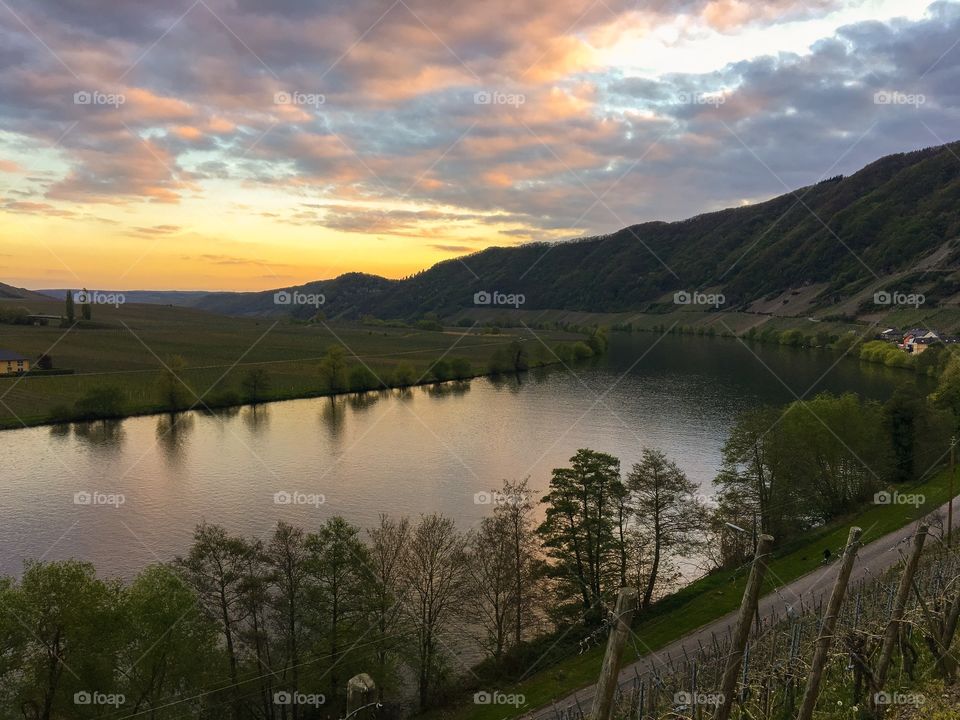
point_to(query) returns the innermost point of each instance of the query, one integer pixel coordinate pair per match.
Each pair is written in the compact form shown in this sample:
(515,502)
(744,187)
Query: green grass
(705,600)
(127,347)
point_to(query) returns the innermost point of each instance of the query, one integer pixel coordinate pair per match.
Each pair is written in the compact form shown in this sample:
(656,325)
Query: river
(149,480)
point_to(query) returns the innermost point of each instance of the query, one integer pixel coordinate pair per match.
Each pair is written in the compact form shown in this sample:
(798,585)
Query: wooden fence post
(812,691)
(620,628)
(748,608)
(892,632)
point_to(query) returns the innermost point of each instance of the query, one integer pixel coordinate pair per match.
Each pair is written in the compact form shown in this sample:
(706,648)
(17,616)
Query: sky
(256,144)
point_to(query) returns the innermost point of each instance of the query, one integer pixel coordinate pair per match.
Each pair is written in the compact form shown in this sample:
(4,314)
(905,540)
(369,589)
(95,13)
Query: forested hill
(840,235)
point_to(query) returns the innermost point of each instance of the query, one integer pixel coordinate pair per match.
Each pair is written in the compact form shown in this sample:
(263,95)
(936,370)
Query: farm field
(127,348)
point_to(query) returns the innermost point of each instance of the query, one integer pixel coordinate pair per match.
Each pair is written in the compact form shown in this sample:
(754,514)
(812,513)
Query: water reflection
(101,435)
(334,416)
(447,389)
(172,432)
(363,400)
(256,418)
(677,394)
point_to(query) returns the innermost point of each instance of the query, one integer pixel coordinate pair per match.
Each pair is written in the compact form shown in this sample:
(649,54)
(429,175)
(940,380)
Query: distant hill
(185,298)
(9,292)
(836,238)
(821,247)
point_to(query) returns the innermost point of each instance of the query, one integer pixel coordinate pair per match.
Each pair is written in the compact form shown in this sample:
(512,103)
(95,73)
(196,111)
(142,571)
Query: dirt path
(873,558)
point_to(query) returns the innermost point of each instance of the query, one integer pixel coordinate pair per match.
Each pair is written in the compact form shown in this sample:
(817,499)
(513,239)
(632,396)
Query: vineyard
(873,665)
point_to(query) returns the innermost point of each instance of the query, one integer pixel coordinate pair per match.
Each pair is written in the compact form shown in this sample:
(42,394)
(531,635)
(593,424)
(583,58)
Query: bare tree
(436,575)
(517,515)
(492,582)
(388,548)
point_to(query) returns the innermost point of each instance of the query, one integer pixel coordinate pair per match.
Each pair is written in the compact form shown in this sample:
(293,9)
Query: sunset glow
(239,144)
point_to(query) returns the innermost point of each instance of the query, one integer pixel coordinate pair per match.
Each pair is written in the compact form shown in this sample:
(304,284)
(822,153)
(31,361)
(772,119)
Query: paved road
(873,558)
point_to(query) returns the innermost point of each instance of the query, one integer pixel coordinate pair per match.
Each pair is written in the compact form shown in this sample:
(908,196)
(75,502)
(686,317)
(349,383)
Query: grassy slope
(211,346)
(704,601)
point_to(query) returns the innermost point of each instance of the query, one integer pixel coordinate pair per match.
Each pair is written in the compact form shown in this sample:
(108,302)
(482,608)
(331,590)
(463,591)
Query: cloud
(493,120)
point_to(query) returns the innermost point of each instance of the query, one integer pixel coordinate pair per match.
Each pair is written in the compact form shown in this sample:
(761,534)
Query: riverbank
(557,669)
(220,362)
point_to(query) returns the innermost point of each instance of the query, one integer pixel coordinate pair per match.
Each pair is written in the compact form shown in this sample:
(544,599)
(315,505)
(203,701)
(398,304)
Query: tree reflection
(172,432)
(106,435)
(257,418)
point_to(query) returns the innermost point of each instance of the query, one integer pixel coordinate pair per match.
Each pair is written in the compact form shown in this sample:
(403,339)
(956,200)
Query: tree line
(220,631)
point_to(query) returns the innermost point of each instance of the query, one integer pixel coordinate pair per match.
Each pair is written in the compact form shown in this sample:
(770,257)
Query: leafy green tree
(286,555)
(69,306)
(62,632)
(101,403)
(751,475)
(836,452)
(947,393)
(404,375)
(215,568)
(362,378)
(172,391)
(255,384)
(338,581)
(919,434)
(333,370)
(170,645)
(667,512)
(440,370)
(460,368)
(86,309)
(578,531)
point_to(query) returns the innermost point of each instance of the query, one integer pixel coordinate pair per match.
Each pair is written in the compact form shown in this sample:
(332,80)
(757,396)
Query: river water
(150,480)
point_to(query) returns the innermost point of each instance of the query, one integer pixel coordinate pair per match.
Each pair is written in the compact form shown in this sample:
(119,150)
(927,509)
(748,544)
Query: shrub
(102,402)
(362,379)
